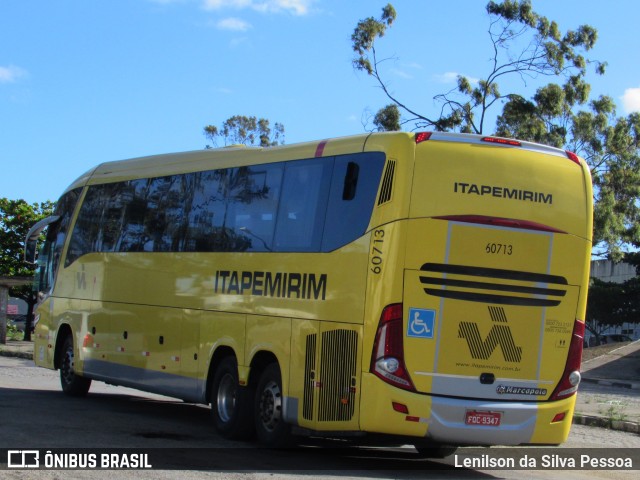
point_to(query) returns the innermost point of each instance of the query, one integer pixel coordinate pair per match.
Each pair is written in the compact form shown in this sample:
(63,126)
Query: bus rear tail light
(502,141)
(387,359)
(573,157)
(571,377)
(422,137)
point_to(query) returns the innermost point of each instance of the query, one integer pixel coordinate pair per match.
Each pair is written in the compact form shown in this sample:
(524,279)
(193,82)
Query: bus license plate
(484,419)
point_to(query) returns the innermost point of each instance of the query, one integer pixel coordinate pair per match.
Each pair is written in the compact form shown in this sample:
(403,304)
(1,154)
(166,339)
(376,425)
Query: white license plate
(483,419)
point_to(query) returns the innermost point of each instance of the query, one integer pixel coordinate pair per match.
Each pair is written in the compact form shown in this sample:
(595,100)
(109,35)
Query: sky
(88,81)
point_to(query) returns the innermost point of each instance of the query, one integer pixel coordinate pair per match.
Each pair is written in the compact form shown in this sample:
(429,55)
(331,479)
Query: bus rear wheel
(72,384)
(231,404)
(271,429)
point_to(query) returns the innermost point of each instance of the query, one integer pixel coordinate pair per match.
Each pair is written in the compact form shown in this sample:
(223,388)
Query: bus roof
(240,155)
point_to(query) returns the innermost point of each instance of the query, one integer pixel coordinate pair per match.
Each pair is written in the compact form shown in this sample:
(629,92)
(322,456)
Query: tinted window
(353,191)
(51,252)
(253,205)
(303,205)
(300,206)
(89,223)
(205,213)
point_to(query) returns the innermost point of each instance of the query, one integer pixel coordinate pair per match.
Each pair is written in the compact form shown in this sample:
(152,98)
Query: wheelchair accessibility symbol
(421,323)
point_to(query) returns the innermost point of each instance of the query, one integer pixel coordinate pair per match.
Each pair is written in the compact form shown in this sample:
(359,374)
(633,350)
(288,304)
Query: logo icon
(482,349)
(23,459)
(421,323)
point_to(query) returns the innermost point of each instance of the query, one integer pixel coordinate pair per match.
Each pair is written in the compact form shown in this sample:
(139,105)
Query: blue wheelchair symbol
(421,323)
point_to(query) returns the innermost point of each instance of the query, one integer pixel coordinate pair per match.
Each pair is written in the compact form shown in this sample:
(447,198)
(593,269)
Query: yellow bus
(421,288)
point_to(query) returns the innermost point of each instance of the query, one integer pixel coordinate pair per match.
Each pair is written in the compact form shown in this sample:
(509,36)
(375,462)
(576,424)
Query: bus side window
(253,206)
(303,205)
(353,190)
(86,231)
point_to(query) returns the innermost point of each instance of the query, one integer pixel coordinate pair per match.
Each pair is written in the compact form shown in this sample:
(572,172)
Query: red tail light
(571,377)
(502,141)
(422,137)
(572,156)
(387,359)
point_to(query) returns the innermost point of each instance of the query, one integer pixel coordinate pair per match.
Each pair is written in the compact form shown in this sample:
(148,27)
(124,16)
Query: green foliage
(560,113)
(13,333)
(611,304)
(16,218)
(525,44)
(365,35)
(241,129)
(387,119)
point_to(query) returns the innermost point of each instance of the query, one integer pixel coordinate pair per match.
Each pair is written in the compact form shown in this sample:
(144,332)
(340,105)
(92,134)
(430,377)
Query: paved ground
(610,389)
(609,394)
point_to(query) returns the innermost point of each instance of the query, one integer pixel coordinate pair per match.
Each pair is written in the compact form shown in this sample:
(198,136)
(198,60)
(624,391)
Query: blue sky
(88,81)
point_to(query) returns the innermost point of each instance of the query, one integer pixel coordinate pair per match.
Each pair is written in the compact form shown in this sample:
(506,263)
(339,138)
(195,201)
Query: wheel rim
(66,369)
(226,398)
(271,406)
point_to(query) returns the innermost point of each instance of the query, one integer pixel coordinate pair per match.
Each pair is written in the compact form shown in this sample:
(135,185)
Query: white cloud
(11,74)
(402,74)
(631,100)
(452,77)
(233,24)
(297,7)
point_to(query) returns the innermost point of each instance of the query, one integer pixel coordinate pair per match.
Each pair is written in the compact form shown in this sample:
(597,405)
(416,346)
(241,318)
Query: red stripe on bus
(320,148)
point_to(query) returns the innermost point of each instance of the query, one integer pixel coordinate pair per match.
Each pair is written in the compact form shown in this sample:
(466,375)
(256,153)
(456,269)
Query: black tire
(271,429)
(72,384)
(435,451)
(231,404)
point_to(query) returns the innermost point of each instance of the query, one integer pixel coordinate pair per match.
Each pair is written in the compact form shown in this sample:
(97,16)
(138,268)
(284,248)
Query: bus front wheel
(271,429)
(72,383)
(230,403)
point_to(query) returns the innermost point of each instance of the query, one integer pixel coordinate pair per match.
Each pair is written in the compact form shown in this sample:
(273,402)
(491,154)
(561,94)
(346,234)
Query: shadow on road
(180,436)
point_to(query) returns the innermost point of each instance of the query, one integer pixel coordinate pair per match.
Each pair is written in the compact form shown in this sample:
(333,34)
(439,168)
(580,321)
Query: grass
(614,411)
(13,333)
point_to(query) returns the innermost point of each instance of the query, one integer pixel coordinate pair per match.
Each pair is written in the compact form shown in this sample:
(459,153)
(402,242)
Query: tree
(16,218)
(241,129)
(609,145)
(603,306)
(612,304)
(524,44)
(527,45)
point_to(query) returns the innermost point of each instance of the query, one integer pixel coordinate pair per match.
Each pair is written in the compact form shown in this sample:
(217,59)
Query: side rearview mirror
(31,242)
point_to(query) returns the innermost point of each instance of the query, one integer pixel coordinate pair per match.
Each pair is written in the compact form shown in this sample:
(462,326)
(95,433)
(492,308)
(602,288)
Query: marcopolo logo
(500,334)
(513,390)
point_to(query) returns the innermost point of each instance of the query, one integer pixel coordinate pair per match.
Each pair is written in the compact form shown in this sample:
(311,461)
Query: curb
(14,354)
(609,383)
(592,421)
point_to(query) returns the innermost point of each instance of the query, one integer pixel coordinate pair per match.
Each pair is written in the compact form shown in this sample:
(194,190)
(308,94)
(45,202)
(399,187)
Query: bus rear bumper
(443,419)
(520,423)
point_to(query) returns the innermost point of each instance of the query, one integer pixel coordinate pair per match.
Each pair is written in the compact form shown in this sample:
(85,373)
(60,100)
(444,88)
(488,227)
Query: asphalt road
(36,415)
